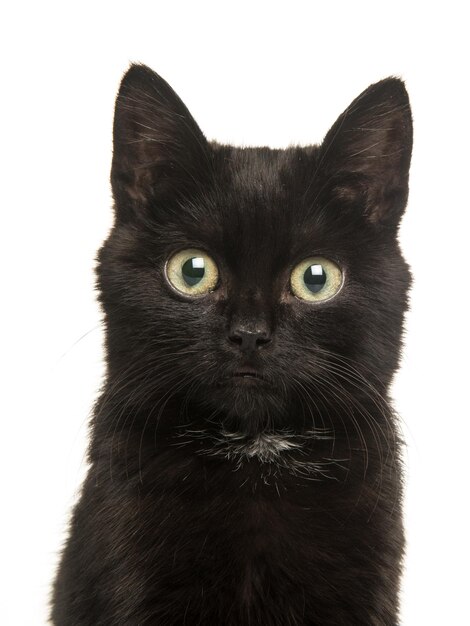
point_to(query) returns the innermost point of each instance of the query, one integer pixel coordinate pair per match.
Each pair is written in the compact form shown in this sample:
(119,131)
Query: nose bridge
(250,321)
(250,311)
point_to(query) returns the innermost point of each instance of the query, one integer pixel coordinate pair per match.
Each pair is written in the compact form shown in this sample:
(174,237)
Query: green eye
(192,272)
(316,279)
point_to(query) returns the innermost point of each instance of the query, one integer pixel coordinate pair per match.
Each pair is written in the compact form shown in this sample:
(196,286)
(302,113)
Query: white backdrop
(251,73)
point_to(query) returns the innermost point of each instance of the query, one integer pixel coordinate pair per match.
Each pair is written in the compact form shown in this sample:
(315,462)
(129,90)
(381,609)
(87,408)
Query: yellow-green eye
(192,272)
(316,279)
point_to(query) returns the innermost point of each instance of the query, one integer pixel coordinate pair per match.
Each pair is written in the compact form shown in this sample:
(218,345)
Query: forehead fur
(266,208)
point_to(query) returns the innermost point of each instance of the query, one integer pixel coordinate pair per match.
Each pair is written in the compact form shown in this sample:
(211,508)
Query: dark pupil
(193,270)
(315,278)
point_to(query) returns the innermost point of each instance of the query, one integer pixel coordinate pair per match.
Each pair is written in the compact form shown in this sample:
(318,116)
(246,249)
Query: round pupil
(315,278)
(193,270)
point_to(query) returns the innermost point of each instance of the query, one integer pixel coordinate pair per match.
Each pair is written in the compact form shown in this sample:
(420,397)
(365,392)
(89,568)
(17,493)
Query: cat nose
(249,339)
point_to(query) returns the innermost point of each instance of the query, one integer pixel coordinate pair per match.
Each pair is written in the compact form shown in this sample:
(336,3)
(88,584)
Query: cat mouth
(248,376)
(245,376)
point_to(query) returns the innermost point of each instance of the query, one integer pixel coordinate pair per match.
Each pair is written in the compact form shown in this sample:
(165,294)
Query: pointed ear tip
(392,86)
(138,69)
(137,75)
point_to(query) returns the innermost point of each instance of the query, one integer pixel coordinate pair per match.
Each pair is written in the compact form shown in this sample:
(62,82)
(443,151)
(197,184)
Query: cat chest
(245,544)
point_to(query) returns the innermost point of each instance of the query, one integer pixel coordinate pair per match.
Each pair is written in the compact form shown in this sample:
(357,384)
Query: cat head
(253,285)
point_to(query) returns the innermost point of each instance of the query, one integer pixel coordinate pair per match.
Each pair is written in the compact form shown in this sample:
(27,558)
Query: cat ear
(365,157)
(159,152)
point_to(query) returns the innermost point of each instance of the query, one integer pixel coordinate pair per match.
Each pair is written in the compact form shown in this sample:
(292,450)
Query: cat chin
(247,408)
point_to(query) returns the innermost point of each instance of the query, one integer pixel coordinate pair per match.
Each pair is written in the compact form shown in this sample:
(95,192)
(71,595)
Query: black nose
(249,339)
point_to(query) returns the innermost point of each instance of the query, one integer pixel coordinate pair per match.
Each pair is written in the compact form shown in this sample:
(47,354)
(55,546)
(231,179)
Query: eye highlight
(316,279)
(192,272)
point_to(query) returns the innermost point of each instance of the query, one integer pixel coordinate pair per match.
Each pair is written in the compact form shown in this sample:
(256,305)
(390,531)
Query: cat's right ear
(159,152)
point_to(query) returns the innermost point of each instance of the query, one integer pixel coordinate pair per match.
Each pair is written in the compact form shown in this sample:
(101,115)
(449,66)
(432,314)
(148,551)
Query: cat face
(254,286)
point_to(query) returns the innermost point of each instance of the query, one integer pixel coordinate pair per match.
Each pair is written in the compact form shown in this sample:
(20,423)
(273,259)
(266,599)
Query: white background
(251,73)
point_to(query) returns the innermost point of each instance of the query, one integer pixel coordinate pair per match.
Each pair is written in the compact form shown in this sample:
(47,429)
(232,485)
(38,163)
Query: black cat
(245,460)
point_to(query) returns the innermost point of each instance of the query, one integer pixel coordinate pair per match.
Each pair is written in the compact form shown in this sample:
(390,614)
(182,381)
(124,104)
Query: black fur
(178,522)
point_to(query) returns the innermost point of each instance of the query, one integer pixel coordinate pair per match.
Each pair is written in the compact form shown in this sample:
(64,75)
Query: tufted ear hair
(364,159)
(159,152)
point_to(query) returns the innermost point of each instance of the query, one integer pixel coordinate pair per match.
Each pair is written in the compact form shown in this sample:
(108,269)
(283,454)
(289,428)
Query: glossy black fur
(174,526)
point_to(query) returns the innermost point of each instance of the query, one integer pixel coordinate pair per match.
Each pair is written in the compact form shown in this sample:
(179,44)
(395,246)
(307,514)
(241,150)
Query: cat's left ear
(159,153)
(364,159)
